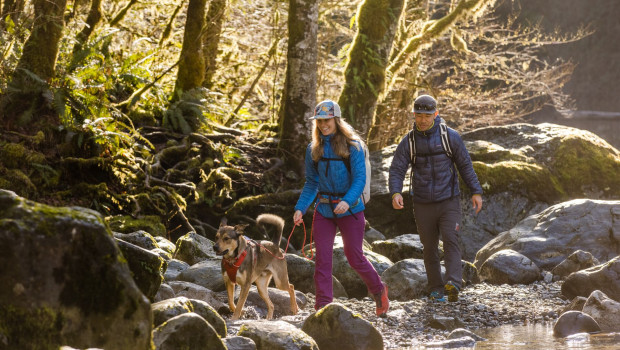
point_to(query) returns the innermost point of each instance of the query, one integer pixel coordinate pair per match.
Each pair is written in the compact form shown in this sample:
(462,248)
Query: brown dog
(245,262)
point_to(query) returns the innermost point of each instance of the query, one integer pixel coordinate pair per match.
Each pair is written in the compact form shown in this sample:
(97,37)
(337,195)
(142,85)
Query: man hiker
(435,152)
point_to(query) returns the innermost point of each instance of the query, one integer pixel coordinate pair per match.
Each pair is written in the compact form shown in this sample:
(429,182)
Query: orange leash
(289,241)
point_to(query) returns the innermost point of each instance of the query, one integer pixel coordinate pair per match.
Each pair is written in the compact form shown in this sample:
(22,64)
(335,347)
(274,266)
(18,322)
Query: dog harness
(231,267)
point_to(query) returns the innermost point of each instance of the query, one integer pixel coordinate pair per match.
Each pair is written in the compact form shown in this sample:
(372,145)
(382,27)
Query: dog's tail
(274,220)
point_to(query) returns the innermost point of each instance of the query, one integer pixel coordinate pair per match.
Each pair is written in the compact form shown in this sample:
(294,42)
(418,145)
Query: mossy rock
(126,224)
(66,281)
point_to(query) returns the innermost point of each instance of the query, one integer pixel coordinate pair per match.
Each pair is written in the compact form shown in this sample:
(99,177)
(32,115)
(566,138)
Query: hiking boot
(437,296)
(382,301)
(452,291)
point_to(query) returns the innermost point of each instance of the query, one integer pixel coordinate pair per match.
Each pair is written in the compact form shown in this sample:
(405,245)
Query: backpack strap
(412,149)
(445,141)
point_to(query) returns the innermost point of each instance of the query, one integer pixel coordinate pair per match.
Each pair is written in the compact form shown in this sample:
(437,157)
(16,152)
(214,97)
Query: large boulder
(277,335)
(407,279)
(335,327)
(194,248)
(605,311)
(146,267)
(301,275)
(554,234)
(187,331)
(523,169)
(65,281)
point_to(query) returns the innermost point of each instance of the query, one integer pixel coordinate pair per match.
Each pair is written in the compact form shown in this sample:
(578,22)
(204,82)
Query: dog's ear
(223,222)
(241,228)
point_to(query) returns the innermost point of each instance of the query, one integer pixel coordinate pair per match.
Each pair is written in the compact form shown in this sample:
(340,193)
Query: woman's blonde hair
(344,136)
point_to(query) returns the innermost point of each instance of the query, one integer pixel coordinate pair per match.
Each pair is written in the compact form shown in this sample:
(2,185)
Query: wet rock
(461,332)
(447,323)
(573,322)
(463,342)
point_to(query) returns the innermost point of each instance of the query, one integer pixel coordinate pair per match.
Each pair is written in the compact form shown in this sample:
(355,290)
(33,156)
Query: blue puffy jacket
(435,178)
(332,177)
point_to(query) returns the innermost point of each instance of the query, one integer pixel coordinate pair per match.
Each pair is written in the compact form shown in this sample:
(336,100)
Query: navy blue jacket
(434,178)
(333,177)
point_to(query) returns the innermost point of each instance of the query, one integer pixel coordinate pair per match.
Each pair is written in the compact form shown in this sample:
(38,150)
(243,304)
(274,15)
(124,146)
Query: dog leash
(311,257)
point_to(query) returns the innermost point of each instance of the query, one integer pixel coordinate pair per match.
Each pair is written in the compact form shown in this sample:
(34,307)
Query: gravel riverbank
(480,306)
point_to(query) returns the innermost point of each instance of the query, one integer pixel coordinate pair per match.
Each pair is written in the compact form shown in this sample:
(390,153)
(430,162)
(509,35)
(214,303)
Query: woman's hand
(297,217)
(341,208)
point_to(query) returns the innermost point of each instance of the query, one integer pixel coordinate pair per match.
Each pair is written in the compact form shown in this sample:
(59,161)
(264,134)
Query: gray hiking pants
(435,219)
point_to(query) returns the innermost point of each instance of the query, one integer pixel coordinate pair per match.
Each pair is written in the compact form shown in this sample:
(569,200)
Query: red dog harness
(231,267)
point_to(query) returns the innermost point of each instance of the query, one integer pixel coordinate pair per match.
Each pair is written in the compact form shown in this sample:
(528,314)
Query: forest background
(173,113)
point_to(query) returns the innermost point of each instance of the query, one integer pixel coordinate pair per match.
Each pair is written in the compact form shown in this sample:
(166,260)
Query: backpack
(347,163)
(445,142)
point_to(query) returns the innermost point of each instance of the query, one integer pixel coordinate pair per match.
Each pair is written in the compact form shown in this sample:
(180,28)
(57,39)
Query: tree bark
(377,22)
(215,18)
(299,95)
(41,48)
(93,19)
(119,17)
(191,63)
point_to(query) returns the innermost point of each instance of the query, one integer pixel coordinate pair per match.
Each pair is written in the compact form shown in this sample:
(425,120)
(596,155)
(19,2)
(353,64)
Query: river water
(540,336)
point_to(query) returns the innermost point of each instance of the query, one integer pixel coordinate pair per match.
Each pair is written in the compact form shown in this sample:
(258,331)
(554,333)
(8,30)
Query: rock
(65,281)
(126,224)
(164,292)
(146,267)
(551,236)
(140,238)
(402,247)
(575,305)
(195,291)
(336,327)
(301,275)
(602,277)
(461,332)
(187,331)
(194,248)
(280,299)
(578,260)
(407,279)
(448,323)
(463,342)
(210,315)
(573,322)
(276,335)
(207,273)
(174,268)
(165,244)
(372,234)
(508,266)
(239,343)
(605,311)
(167,309)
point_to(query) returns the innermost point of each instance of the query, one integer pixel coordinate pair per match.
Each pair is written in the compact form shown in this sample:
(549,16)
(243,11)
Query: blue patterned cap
(326,110)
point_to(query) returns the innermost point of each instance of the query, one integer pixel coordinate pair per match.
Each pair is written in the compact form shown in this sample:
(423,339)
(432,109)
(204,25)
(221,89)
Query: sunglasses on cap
(423,107)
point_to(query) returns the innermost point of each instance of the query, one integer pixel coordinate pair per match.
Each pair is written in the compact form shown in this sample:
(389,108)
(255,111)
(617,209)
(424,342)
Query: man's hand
(476,201)
(397,201)
(341,208)
(297,217)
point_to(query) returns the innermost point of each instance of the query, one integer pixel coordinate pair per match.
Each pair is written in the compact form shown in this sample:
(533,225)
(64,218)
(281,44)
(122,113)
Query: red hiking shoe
(382,301)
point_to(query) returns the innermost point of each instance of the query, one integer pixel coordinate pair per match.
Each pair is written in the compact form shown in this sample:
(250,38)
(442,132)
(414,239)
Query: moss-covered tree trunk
(191,63)
(37,63)
(93,19)
(299,96)
(215,18)
(377,21)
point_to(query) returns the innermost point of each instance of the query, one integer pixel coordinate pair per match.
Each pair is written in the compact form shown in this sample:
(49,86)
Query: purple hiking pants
(352,232)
